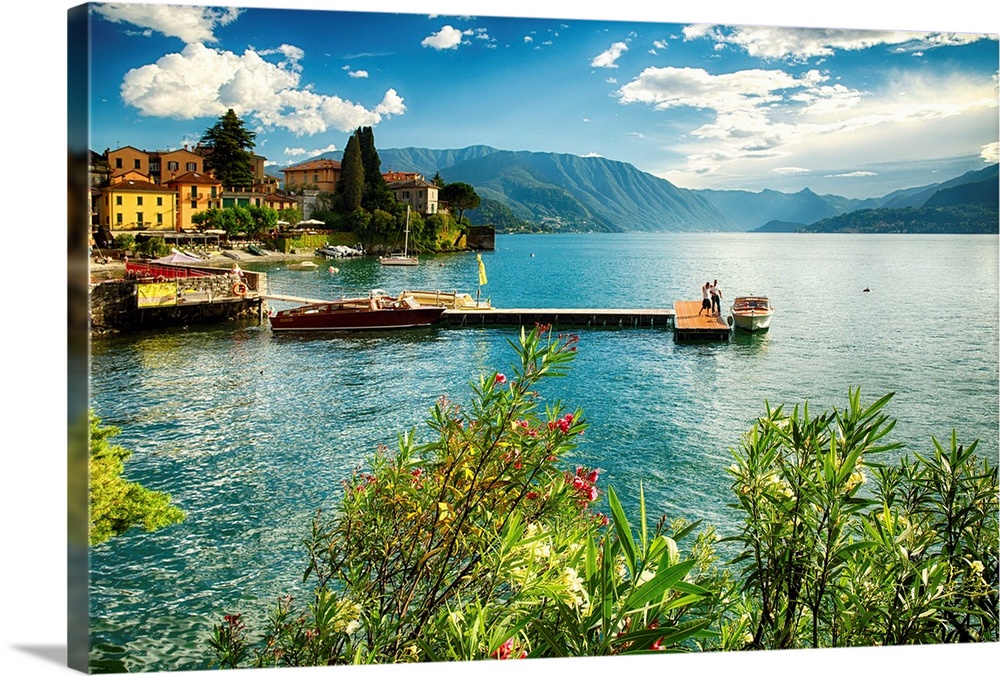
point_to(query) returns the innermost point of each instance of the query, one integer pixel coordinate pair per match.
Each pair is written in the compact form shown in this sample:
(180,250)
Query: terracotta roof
(195,177)
(143,186)
(314,164)
(414,183)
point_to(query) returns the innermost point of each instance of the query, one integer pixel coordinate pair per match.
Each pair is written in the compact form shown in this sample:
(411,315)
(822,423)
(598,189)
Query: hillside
(530,191)
(552,191)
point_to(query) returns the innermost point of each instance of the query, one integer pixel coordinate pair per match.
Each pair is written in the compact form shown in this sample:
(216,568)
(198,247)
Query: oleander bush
(479,544)
(828,562)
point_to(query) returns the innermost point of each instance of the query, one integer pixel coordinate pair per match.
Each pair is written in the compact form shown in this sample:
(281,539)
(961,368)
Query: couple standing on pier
(711,298)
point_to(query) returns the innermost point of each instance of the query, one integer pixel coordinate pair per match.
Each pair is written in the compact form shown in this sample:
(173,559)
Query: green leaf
(655,588)
(623,530)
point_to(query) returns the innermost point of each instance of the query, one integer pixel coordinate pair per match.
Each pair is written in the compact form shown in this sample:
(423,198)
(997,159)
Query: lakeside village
(167,228)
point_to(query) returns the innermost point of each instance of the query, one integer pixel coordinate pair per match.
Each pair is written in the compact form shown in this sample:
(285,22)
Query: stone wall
(482,238)
(200,300)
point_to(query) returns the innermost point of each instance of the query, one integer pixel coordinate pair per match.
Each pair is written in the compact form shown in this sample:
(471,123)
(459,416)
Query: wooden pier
(689,325)
(557,317)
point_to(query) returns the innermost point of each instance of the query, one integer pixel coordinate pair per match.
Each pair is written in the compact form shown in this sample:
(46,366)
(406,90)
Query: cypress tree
(351,184)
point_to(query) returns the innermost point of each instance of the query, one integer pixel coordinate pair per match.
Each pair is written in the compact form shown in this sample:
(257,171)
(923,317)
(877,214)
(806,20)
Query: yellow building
(196,192)
(134,204)
(321,175)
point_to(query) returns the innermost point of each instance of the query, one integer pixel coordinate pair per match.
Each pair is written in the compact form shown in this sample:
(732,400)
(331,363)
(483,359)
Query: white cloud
(754,119)
(990,153)
(608,57)
(358,74)
(789,171)
(202,82)
(190,24)
(854,174)
(797,44)
(446,38)
(299,152)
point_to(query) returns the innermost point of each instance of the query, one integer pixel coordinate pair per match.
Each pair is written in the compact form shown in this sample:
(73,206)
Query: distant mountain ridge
(573,193)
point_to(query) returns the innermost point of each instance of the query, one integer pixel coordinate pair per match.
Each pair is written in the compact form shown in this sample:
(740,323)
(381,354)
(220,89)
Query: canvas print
(419,338)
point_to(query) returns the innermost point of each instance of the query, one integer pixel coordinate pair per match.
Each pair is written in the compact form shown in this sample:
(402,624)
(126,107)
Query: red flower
(656,645)
(500,379)
(504,651)
(531,495)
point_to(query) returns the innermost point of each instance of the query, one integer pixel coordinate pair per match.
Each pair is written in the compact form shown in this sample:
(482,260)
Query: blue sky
(857,111)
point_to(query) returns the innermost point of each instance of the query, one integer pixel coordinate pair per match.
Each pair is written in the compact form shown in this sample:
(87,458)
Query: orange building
(319,175)
(127,159)
(168,165)
(196,192)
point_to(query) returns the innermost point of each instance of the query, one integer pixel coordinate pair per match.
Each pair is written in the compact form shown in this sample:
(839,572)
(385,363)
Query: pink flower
(592,477)
(500,379)
(504,651)
(656,645)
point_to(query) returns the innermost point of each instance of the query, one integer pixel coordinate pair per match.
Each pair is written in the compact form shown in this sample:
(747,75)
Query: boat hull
(307,319)
(752,322)
(402,260)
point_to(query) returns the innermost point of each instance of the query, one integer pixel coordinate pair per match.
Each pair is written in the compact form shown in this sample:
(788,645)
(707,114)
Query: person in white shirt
(706,299)
(716,293)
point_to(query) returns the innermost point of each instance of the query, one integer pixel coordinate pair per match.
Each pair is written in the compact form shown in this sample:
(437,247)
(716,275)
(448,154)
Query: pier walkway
(688,324)
(560,317)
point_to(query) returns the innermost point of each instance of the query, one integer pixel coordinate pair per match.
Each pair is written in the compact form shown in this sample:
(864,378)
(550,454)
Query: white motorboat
(751,313)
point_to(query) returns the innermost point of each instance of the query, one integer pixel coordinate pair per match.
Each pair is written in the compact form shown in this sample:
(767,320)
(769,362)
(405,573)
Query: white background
(33,603)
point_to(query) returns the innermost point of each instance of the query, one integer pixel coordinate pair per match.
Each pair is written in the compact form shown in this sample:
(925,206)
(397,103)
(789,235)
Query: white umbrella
(311,221)
(283,223)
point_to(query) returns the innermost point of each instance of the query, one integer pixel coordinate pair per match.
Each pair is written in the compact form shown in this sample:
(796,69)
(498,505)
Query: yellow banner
(482,270)
(162,294)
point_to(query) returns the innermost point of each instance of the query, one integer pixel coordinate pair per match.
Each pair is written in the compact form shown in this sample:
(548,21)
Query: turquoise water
(250,432)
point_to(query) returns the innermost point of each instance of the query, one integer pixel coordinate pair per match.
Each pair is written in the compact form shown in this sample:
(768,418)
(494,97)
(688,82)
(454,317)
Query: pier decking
(593,318)
(689,325)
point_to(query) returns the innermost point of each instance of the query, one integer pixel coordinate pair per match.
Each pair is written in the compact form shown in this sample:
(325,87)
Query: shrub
(913,560)
(477,545)
(125,241)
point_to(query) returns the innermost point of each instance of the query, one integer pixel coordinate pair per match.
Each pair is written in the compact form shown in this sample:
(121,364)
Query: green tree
(376,195)
(229,144)
(350,185)
(115,503)
(460,196)
(262,219)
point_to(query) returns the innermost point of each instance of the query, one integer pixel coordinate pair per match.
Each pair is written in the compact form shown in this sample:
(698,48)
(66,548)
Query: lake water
(250,432)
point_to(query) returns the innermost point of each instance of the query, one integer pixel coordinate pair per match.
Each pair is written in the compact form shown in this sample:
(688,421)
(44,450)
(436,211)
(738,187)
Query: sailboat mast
(406,234)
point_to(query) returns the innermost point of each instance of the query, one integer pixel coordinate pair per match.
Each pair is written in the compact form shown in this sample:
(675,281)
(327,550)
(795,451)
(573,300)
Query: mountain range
(563,192)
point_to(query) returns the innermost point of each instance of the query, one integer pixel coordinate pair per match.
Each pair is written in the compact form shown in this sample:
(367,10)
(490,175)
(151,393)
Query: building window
(154,167)
(138,164)
(138,218)
(159,218)
(118,200)
(214,191)
(138,200)
(194,192)
(316,179)
(172,166)
(192,166)
(118,218)
(159,201)
(194,204)
(118,163)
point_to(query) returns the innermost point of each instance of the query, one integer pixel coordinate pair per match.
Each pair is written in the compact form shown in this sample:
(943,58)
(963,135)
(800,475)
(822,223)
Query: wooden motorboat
(378,311)
(303,265)
(751,313)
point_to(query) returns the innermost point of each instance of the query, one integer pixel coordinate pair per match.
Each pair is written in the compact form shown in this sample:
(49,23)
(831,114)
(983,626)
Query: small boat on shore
(231,254)
(378,311)
(751,313)
(256,250)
